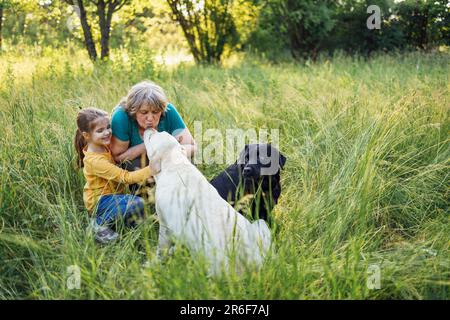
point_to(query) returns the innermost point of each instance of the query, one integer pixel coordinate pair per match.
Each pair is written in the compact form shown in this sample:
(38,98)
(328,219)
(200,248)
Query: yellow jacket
(104,177)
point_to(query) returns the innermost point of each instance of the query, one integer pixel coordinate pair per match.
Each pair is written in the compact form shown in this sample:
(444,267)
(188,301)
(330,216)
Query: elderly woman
(146,106)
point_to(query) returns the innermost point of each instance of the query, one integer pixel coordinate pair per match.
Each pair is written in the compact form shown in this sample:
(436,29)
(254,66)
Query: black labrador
(256,173)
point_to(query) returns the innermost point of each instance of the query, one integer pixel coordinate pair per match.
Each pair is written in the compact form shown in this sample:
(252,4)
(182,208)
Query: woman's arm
(121,152)
(187,141)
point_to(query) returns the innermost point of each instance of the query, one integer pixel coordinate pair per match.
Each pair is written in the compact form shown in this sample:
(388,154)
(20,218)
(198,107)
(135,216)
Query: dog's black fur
(244,178)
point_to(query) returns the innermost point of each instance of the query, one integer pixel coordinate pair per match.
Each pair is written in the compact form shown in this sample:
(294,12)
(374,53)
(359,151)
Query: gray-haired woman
(146,106)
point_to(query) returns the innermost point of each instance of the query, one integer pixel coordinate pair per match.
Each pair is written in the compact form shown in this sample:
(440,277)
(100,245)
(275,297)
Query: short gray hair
(145,93)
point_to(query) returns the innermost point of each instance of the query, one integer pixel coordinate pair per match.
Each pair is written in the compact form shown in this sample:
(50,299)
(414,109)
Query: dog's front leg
(164,243)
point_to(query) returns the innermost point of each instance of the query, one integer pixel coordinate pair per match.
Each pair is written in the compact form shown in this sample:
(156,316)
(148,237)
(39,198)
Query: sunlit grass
(366,181)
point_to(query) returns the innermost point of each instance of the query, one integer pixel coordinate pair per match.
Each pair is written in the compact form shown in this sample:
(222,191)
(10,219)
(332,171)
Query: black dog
(257,173)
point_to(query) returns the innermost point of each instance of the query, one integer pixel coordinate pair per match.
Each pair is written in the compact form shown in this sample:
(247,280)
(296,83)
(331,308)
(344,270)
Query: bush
(297,25)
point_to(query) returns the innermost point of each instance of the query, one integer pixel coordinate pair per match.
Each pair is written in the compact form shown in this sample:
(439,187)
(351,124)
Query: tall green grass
(366,180)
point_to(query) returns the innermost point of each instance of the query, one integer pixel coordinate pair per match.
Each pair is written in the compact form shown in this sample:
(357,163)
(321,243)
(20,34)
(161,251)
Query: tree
(307,24)
(1,22)
(410,24)
(87,32)
(12,6)
(207,25)
(300,26)
(4,4)
(425,24)
(104,10)
(352,35)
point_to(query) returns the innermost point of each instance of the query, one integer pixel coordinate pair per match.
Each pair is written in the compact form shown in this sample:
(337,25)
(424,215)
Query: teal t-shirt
(126,128)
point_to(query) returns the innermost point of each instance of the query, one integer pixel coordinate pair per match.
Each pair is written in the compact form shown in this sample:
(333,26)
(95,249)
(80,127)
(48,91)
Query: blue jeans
(113,206)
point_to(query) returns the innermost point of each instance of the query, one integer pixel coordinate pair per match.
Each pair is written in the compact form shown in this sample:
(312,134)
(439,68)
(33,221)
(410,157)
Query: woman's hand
(121,152)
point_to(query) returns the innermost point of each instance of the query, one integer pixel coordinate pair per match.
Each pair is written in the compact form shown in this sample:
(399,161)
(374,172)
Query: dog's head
(261,159)
(159,144)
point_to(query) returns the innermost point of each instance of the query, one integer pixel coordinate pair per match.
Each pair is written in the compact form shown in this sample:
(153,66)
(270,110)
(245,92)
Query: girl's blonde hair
(145,93)
(85,123)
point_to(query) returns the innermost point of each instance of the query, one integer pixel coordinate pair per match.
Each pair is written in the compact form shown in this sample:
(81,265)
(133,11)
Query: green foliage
(296,25)
(352,35)
(409,24)
(212,29)
(307,24)
(306,27)
(208,26)
(301,26)
(425,24)
(29,22)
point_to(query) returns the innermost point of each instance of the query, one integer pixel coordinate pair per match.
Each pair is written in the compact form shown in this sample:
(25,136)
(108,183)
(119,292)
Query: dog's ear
(242,155)
(282,160)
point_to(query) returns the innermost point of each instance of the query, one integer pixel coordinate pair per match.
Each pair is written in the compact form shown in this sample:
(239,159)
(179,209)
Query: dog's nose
(247,171)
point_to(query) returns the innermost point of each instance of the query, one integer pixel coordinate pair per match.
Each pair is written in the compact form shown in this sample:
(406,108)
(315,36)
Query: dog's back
(226,182)
(201,219)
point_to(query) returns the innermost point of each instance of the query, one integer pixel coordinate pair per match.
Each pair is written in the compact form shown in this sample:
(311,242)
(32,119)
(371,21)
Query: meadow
(365,187)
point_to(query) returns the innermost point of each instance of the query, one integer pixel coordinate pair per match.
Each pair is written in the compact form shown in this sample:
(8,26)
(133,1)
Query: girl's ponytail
(85,123)
(80,143)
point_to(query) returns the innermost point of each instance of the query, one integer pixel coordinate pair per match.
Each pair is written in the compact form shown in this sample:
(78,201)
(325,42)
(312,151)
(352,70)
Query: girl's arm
(106,170)
(121,152)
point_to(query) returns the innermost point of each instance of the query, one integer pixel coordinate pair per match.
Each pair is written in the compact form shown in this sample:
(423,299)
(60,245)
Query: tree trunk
(296,34)
(206,30)
(1,24)
(88,40)
(424,41)
(105,16)
(187,28)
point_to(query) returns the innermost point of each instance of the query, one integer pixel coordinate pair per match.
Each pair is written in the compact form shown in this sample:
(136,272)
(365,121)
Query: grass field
(366,182)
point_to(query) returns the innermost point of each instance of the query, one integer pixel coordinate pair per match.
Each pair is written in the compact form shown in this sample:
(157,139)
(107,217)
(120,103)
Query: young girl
(103,192)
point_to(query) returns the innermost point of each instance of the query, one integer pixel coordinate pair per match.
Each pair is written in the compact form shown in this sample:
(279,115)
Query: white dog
(191,212)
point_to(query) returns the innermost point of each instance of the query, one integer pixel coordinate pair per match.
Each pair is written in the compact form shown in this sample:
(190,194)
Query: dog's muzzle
(148,133)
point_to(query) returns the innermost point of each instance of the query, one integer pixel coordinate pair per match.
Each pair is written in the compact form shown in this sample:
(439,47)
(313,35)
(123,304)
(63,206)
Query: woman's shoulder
(119,112)
(171,112)
(172,120)
(171,108)
(120,120)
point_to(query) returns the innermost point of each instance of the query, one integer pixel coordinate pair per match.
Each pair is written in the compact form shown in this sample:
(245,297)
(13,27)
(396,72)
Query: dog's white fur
(191,212)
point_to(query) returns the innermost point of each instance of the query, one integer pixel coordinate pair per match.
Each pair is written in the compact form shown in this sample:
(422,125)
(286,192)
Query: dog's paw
(150,193)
